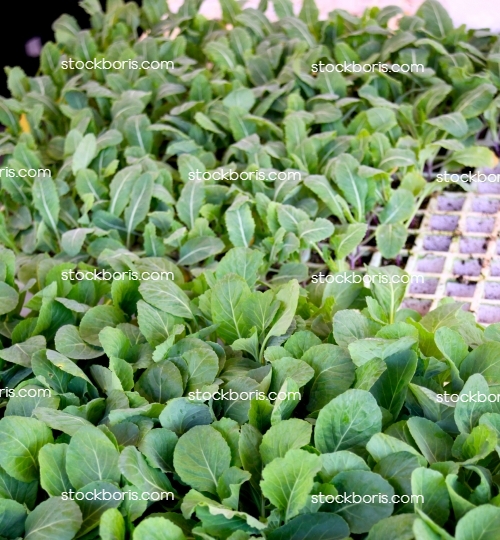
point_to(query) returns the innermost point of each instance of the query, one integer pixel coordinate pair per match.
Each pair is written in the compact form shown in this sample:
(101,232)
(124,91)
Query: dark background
(28,19)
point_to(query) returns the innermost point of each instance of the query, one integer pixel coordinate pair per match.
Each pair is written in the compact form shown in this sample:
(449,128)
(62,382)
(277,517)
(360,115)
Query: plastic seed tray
(457,251)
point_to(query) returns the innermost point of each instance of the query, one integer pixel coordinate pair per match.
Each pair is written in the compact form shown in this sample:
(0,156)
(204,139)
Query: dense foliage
(235,386)
(242,96)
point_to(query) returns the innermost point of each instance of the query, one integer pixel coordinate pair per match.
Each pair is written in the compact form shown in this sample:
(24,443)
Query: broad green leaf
(20,442)
(54,518)
(137,471)
(480,523)
(46,201)
(98,318)
(353,186)
(282,437)
(333,374)
(391,238)
(70,343)
(201,457)
(90,457)
(12,519)
(167,296)
(228,296)
(9,298)
(434,443)
(432,486)
(452,123)
(240,225)
(362,516)
(348,421)
(85,152)
(437,20)
(191,200)
(157,528)
(140,199)
(312,526)
(287,481)
(53,476)
(160,382)
(112,525)
(199,248)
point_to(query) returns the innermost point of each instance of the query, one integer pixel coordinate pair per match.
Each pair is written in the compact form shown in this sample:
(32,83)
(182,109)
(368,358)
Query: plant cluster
(248,395)
(124,145)
(132,371)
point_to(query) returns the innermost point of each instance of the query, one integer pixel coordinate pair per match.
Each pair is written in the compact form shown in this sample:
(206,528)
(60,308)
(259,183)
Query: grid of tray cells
(457,251)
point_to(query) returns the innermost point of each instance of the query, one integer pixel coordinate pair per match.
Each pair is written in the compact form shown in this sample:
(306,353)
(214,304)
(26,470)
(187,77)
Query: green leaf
(475,156)
(391,388)
(91,456)
(393,528)
(167,296)
(399,208)
(191,200)
(353,186)
(311,527)
(158,528)
(72,241)
(391,238)
(147,479)
(85,152)
(140,199)
(97,318)
(348,421)
(434,443)
(228,296)
(53,476)
(201,457)
(453,123)
(241,261)
(12,518)
(70,343)
(112,525)
(54,518)
(199,248)
(9,298)
(180,415)
(388,287)
(46,201)
(479,524)
(312,232)
(287,481)
(284,436)
(437,20)
(240,225)
(333,374)
(348,238)
(160,382)
(435,501)
(362,516)
(20,441)
(467,411)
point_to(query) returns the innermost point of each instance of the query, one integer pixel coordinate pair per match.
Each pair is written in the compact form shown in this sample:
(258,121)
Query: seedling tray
(457,251)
